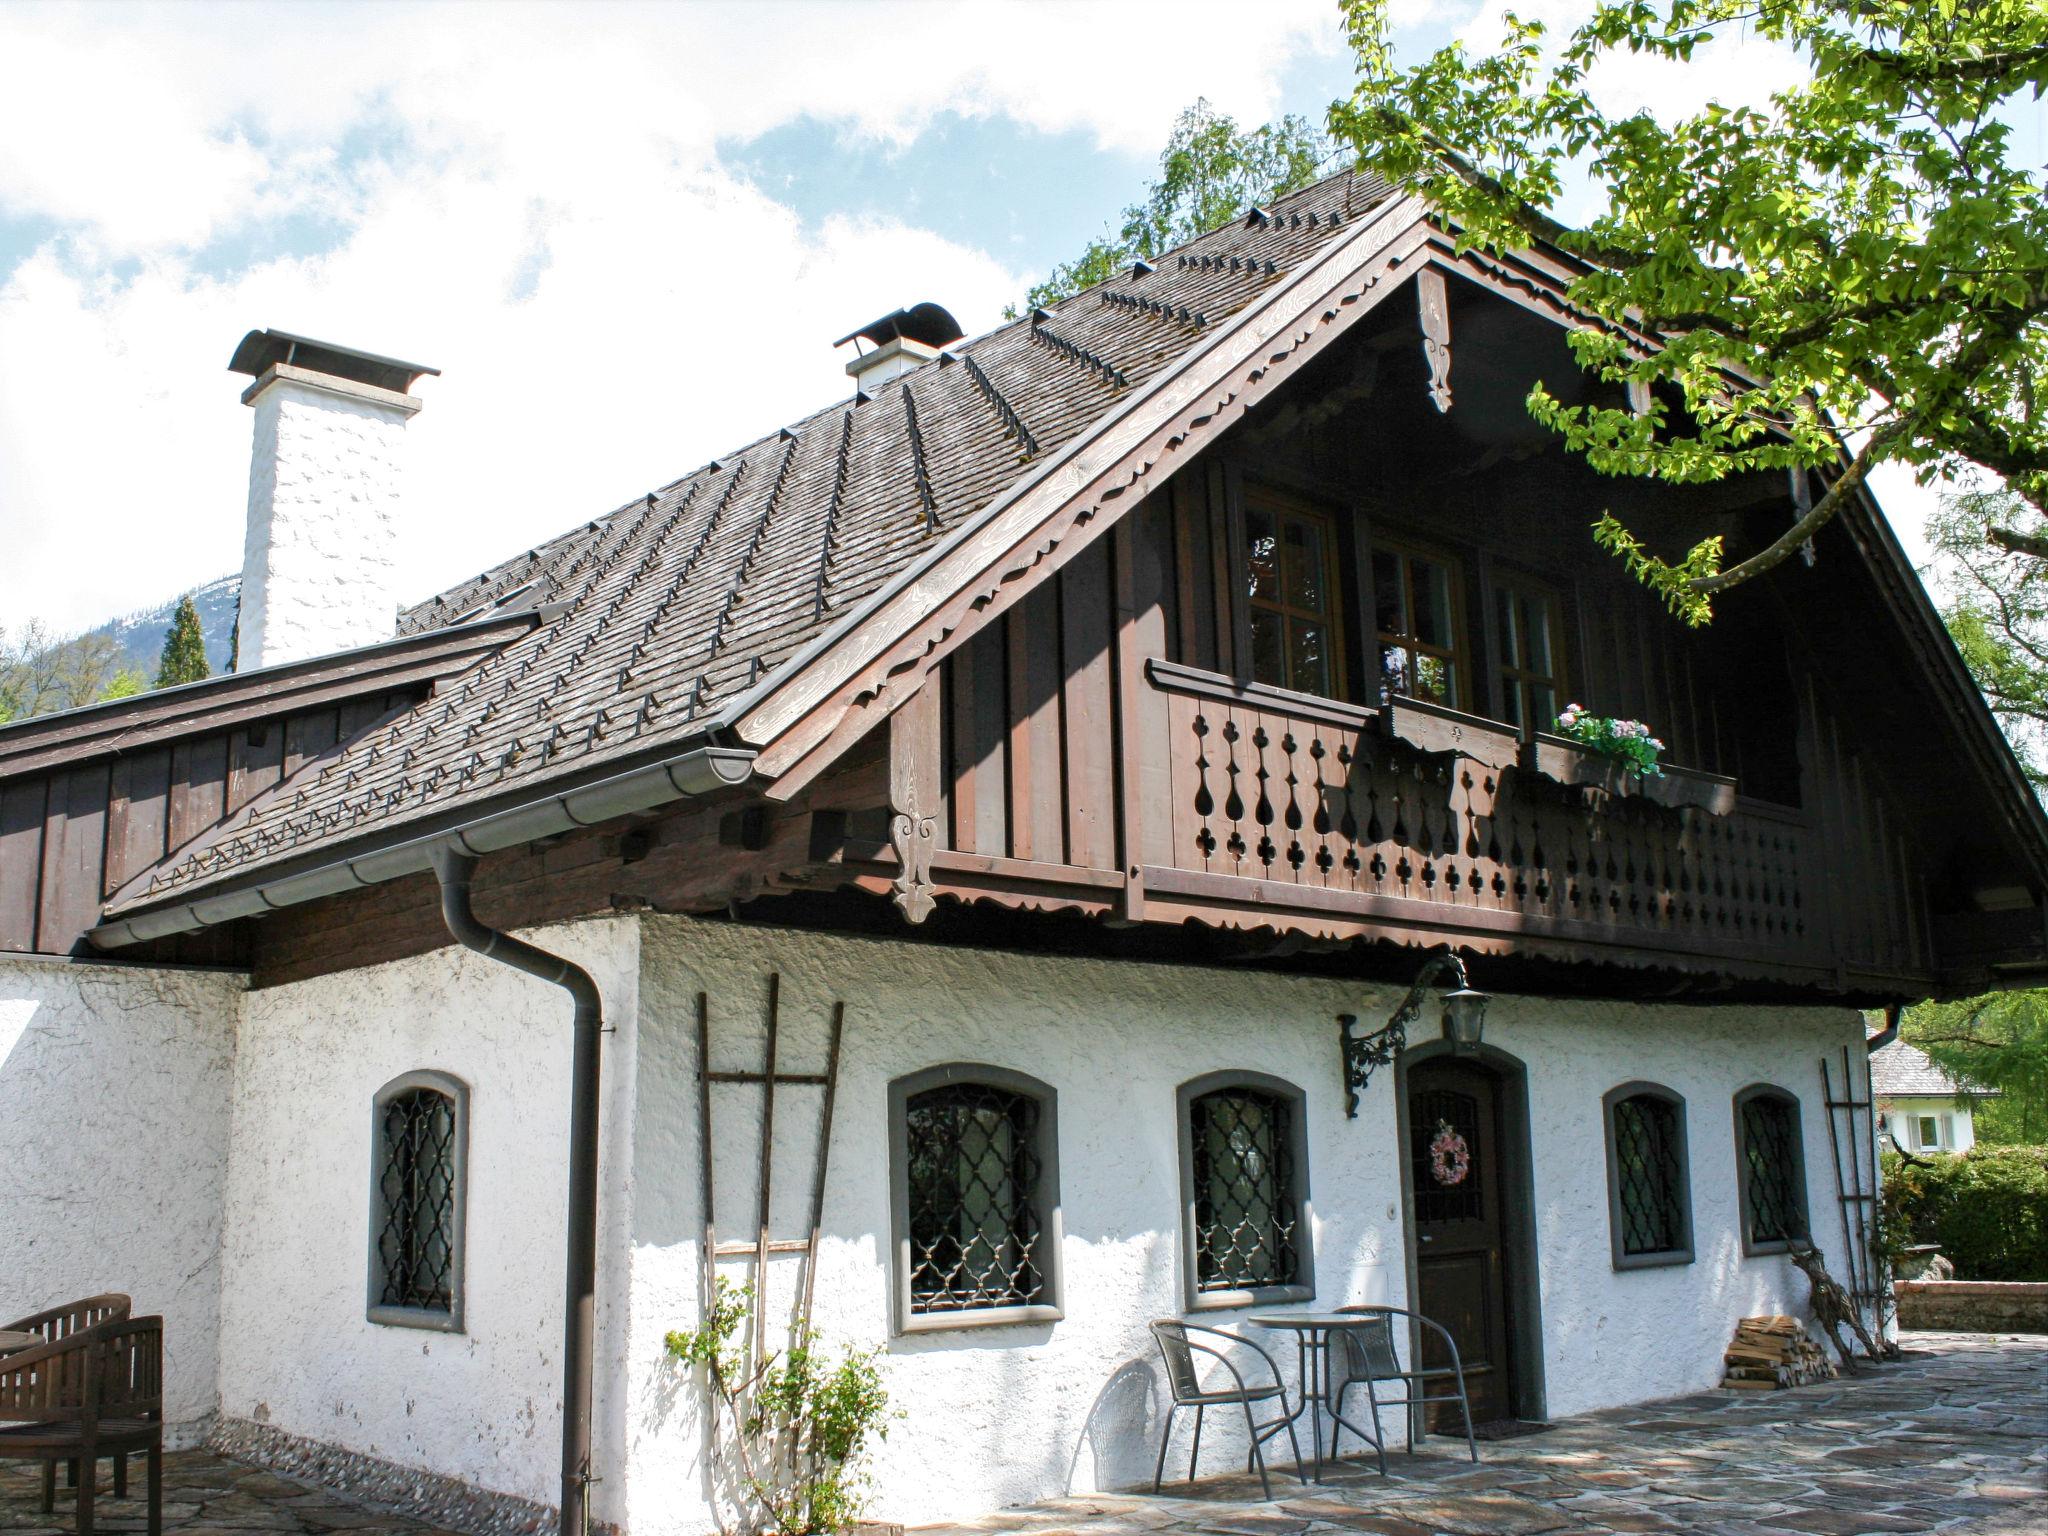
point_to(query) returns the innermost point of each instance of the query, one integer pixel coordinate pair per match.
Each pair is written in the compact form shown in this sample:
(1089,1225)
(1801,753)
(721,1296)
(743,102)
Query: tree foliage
(1855,273)
(184,653)
(1998,1041)
(1996,605)
(39,674)
(1988,1209)
(1210,172)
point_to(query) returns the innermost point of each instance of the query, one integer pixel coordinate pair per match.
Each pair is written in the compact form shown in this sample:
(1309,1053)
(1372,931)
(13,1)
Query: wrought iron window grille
(1772,1169)
(974,1180)
(418,1147)
(1648,1184)
(1246,1212)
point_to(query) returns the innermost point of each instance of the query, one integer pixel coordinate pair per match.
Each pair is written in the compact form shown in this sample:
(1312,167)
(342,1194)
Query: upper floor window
(1649,1196)
(1771,1168)
(419,1148)
(1291,590)
(976,1197)
(1416,602)
(1529,628)
(1244,1171)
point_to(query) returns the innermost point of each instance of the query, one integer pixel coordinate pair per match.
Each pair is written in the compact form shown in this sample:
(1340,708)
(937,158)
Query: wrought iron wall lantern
(1464,1024)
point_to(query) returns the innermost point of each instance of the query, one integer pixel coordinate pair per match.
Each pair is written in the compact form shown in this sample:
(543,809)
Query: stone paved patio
(1953,1438)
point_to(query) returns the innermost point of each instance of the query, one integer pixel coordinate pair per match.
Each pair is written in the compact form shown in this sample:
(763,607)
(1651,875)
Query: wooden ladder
(1852,1137)
(768,1079)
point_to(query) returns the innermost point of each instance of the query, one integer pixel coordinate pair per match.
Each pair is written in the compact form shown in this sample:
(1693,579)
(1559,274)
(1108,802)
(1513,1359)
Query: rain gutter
(703,771)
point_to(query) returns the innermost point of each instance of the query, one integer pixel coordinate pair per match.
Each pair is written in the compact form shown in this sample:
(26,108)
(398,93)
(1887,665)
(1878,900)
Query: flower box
(1572,762)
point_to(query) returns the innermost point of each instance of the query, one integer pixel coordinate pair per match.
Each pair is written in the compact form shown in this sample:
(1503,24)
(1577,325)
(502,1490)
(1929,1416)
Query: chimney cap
(929,323)
(262,350)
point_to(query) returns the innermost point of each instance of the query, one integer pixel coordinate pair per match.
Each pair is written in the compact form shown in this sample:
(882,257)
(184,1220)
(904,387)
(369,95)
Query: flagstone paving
(1953,1438)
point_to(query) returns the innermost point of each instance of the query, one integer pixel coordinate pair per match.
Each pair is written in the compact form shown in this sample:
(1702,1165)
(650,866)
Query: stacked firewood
(1773,1352)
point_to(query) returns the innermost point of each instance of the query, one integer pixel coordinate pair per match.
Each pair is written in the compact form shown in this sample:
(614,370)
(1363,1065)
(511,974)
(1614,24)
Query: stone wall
(1974,1306)
(114,1086)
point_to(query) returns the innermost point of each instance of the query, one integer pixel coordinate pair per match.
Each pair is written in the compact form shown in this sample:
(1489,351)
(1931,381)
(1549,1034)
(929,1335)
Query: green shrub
(1988,1208)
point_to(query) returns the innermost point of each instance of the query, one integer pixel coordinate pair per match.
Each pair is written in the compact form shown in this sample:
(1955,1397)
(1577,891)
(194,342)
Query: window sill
(416,1317)
(1263,1296)
(979,1317)
(1668,1260)
(1765,1249)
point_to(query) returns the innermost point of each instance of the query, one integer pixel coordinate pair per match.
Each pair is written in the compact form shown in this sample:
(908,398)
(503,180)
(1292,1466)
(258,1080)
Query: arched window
(1244,1186)
(1649,1189)
(1770,1168)
(975,1176)
(419,1134)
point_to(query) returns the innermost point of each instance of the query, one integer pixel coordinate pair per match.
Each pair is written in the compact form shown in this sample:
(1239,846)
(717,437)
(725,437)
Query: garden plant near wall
(1987,1208)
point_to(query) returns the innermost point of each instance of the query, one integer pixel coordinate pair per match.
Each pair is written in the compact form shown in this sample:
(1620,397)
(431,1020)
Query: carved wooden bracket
(913,798)
(1436,334)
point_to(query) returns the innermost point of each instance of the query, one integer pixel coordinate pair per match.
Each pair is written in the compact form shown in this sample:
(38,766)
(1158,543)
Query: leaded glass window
(418,1135)
(1245,1190)
(1771,1167)
(1648,1188)
(976,1193)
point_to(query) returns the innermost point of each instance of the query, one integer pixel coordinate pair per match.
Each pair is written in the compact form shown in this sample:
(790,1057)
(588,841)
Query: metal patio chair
(54,1323)
(1185,1382)
(1366,1354)
(98,1392)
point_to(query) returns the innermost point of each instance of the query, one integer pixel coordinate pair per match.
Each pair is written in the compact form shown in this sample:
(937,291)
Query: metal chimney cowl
(319,567)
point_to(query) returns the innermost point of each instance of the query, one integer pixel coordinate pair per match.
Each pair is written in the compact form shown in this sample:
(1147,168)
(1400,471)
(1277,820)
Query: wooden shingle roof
(660,612)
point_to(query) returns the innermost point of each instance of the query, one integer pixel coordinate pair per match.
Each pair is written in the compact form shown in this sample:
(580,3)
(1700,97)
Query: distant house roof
(1902,1071)
(656,615)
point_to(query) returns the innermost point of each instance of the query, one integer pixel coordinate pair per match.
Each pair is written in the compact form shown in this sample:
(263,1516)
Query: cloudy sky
(627,235)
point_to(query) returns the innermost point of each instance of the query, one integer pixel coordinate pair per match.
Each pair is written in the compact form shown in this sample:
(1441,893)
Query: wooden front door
(1461,1258)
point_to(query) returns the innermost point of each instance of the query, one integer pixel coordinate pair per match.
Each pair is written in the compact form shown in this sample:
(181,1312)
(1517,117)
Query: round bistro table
(1312,1332)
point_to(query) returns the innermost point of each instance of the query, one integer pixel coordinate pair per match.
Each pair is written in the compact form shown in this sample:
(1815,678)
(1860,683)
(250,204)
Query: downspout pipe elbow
(1888,1034)
(454,869)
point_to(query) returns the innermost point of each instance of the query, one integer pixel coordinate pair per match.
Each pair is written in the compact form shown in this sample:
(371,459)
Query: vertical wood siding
(73,836)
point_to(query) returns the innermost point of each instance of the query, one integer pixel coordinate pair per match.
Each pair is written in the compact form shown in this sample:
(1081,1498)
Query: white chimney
(897,343)
(319,566)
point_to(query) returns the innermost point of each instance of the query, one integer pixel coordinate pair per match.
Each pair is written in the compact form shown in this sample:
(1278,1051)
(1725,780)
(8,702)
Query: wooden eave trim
(78,736)
(1030,532)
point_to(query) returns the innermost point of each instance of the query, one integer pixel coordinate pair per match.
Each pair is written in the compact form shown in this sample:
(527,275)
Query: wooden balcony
(1351,820)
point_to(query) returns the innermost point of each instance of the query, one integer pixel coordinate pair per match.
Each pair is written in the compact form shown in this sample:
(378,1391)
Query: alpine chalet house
(1038,765)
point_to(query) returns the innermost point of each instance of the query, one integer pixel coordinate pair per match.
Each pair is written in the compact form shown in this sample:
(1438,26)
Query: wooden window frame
(1682,1251)
(433,1318)
(1303,1286)
(1459,656)
(1751,1244)
(1280,505)
(1516,583)
(1045,1198)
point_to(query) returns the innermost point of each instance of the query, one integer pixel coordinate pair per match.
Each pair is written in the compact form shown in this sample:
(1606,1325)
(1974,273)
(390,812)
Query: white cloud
(526,197)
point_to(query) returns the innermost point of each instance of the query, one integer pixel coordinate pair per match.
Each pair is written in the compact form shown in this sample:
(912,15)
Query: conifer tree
(184,657)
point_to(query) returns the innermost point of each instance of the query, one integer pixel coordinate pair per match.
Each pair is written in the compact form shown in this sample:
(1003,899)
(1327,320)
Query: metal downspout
(1888,1034)
(454,869)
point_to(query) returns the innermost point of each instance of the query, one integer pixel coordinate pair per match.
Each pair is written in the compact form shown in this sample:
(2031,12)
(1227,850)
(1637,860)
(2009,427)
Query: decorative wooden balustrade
(1443,821)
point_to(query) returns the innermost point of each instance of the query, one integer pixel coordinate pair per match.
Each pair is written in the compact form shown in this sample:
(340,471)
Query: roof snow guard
(260,351)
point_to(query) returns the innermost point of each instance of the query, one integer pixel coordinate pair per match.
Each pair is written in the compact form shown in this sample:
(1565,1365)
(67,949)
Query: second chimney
(318,562)
(899,342)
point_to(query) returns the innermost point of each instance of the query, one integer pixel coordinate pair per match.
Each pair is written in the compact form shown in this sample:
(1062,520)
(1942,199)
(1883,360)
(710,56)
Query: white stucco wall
(319,559)
(999,1416)
(114,1084)
(298,1353)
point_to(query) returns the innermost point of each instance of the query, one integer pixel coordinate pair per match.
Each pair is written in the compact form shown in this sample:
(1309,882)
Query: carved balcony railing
(1428,818)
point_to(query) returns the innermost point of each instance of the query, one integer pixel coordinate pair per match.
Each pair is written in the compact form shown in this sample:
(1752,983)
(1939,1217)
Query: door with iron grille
(1461,1256)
